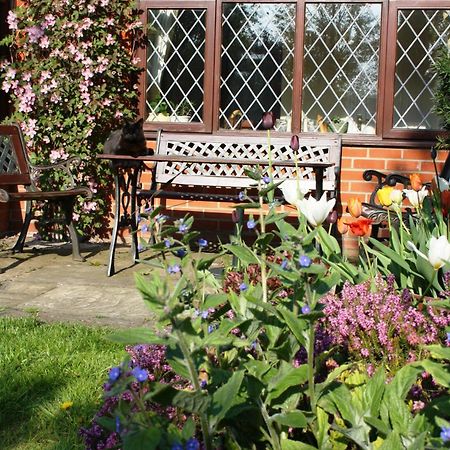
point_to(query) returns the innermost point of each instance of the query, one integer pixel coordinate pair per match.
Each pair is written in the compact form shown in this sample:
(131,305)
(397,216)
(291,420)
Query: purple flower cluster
(376,323)
(148,362)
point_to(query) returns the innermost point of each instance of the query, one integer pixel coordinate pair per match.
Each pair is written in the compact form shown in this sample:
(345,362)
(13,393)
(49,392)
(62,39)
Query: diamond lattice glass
(340,70)
(421,34)
(175,65)
(256,64)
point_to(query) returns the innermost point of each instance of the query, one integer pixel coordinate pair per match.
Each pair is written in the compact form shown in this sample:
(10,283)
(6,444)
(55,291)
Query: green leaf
(224,398)
(378,424)
(328,242)
(296,325)
(438,351)
(373,393)
(395,257)
(213,300)
(143,439)
(188,429)
(138,336)
(392,442)
(287,444)
(286,377)
(245,255)
(439,371)
(294,419)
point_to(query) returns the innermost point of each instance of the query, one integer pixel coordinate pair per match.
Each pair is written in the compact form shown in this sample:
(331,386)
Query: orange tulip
(354,207)
(415,181)
(360,227)
(342,226)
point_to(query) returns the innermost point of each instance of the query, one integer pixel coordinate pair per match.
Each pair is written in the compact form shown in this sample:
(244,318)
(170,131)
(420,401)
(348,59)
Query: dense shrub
(72,78)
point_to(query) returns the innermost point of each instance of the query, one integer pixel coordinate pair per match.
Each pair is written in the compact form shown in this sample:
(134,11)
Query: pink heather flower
(87,73)
(109,39)
(75,217)
(382,320)
(35,33)
(89,206)
(10,74)
(26,76)
(106,102)
(12,20)
(49,21)
(91,9)
(44,42)
(6,86)
(45,75)
(118,114)
(370,369)
(109,22)
(418,406)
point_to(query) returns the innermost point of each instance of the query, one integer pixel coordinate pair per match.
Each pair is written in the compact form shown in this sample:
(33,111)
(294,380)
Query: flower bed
(295,348)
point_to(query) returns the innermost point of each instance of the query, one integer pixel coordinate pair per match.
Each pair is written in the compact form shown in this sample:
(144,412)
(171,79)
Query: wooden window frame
(206,125)
(384,133)
(389,86)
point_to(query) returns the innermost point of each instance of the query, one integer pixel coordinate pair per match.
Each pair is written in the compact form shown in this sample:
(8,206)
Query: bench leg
(18,247)
(67,206)
(112,247)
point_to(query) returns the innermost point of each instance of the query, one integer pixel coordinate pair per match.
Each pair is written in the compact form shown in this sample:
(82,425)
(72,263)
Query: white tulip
(438,251)
(293,191)
(316,211)
(416,198)
(442,184)
(396,196)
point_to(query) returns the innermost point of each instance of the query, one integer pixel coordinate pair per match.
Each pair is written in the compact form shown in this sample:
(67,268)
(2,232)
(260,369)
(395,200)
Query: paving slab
(44,280)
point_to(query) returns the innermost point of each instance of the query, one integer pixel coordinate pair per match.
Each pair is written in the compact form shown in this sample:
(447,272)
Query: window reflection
(341,60)
(175,65)
(256,64)
(420,36)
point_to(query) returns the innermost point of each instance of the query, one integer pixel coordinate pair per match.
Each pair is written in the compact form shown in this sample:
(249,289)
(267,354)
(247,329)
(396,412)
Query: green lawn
(42,366)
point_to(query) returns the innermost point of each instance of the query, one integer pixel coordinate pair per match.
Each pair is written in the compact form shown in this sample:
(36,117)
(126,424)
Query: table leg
(133,214)
(118,178)
(318,174)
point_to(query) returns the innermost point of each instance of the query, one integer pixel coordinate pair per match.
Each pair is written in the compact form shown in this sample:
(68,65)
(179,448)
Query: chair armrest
(65,166)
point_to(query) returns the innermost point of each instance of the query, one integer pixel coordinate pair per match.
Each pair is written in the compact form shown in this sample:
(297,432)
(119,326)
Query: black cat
(129,140)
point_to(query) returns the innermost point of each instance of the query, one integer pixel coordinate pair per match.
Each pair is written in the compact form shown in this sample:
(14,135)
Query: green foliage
(235,345)
(72,78)
(442,91)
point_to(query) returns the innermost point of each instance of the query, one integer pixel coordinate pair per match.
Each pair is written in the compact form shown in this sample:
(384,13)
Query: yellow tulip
(384,195)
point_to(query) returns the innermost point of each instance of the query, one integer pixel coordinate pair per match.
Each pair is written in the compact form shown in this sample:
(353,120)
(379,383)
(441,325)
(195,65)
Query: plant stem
(263,254)
(428,287)
(273,433)
(310,351)
(194,380)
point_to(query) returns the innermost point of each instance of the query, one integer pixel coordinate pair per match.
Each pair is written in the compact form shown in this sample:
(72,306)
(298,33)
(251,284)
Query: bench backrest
(14,169)
(325,148)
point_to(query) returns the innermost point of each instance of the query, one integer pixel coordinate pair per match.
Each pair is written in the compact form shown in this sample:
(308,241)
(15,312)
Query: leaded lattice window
(421,34)
(341,54)
(175,65)
(257,57)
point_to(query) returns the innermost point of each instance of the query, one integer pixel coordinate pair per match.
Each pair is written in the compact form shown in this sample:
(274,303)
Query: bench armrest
(65,166)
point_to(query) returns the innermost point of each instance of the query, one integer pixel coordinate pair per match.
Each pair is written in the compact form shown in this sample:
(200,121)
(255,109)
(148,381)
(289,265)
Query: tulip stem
(428,287)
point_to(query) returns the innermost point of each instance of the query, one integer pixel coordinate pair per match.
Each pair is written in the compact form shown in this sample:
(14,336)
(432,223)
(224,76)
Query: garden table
(127,169)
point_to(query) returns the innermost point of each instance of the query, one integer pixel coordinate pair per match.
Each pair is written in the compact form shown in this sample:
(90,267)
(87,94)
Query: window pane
(341,67)
(175,65)
(257,64)
(420,35)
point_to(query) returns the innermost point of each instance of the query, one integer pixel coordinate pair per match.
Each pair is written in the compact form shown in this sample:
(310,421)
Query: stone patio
(45,281)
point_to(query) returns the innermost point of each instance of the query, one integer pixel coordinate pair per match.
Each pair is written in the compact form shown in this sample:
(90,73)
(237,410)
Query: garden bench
(192,166)
(373,210)
(17,170)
